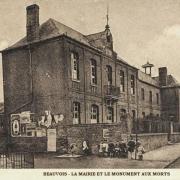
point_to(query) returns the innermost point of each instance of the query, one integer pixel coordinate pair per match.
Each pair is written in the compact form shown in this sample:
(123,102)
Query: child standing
(140,152)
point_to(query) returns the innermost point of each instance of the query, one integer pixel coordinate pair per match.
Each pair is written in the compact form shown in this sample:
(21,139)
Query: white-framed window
(109,74)
(93,71)
(132,84)
(76,113)
(122,83)
(75,66)
(110,115)
(94,114)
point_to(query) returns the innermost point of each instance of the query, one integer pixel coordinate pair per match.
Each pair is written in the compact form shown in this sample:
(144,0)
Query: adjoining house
(56,75)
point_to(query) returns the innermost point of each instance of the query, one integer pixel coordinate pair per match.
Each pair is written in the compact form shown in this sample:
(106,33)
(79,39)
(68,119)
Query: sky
(143,30)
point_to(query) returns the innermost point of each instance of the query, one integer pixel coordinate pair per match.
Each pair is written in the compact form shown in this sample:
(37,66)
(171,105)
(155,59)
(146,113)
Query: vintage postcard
(90,88)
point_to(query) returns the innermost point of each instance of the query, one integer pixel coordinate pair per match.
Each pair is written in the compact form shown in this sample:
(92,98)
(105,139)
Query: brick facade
(38,76)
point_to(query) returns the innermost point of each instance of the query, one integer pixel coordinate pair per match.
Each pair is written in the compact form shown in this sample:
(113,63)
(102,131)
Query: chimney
(163,76)
(32,26)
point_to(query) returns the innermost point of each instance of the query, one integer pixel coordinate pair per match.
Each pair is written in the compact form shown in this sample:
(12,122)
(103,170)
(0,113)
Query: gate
(16,160)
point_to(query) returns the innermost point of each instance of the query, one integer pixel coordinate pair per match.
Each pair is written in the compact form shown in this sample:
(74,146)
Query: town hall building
(57,70)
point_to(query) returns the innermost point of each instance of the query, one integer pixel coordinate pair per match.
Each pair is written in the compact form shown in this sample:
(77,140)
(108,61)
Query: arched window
(109,74)
(93,72)
(75,66)
(94,114)
(76,113)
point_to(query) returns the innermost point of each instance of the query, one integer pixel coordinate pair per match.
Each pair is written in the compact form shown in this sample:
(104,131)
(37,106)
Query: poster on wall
(22,123)
(107,133)
(15,125)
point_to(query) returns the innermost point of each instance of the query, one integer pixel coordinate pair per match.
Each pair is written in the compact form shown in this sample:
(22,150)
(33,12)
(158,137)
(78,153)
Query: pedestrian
(85,148)
(140,151)
(117,151)
(111,150)
(123,149)
(105,148)
(100,147)
(73,149)
(131,146)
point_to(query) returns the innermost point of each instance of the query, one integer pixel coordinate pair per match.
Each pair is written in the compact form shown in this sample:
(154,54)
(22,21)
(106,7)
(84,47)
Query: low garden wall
(175,137)
(93,134)
(152,141)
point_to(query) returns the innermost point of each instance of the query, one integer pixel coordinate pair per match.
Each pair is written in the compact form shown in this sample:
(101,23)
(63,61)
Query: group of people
(132,149)
(122,149)
(113,149)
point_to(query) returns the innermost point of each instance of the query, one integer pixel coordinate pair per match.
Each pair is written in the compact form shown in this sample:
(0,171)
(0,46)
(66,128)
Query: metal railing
(16,160)
(112,91)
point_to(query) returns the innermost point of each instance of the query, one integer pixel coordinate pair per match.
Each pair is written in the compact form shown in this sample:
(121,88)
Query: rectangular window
(150,96)
(122,81)
(132,84)
(109,74)
(110,117)
(157,98)
(142,94)
(143,115)
(93,72)
(76,113)
(75,66)
(123,115)
(133,114)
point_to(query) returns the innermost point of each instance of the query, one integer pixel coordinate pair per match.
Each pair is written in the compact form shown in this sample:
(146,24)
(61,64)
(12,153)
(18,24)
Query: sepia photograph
(90,84)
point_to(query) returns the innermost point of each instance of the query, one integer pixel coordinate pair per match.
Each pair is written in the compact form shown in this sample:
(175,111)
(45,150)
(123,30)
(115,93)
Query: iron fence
(16,160)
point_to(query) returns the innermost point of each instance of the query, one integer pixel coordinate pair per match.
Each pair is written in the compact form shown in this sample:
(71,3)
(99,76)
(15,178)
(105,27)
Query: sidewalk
(156,159)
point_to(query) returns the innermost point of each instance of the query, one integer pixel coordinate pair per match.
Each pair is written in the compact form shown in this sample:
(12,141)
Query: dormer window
(75,66)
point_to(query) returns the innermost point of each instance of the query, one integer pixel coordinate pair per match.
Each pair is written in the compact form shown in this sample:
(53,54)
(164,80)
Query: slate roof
(52,28)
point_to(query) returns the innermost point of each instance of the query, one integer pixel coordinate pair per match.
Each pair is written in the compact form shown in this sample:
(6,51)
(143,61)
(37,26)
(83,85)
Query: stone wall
(94,135)
(175,137)
(29,144)
(153,141)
